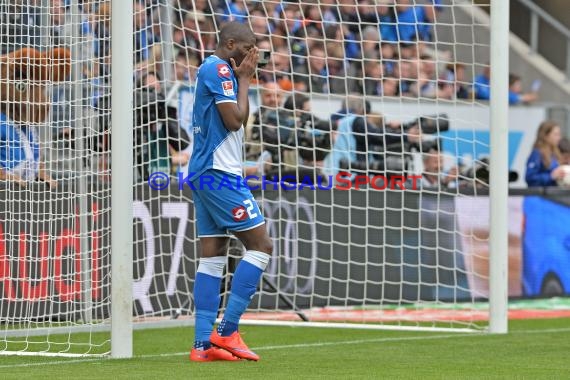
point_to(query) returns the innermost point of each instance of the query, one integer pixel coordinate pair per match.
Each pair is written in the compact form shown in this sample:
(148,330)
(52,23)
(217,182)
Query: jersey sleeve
(514,98)
(219,79)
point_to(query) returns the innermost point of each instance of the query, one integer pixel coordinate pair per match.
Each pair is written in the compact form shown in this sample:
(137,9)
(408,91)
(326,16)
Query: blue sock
(244,285)
(207,298)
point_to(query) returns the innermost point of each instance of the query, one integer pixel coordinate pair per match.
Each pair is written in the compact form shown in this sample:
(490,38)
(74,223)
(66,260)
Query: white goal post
(499,186)
(122,179)
(109,245)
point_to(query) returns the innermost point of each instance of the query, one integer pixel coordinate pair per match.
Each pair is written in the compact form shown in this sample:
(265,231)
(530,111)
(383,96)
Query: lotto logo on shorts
(239,213)
(223,70)
(228,88)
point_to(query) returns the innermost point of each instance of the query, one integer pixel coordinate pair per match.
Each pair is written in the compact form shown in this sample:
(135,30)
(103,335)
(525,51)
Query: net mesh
(378,89)
(363,94)
(54,199)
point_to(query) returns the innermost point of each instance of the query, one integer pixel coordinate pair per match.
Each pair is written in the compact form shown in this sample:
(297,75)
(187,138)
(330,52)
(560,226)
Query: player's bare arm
(235,115)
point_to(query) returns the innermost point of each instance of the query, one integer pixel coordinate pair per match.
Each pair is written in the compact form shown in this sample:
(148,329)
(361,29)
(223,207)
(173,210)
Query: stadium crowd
(338,47)
(346,48)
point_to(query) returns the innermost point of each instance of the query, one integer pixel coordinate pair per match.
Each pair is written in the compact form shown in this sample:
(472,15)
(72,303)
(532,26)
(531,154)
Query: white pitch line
(71,361)
(358,341)
(262,348)
(320,344)
(300,345)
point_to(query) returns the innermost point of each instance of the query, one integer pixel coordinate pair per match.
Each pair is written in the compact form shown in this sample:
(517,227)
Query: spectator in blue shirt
(543,168)
(516,96)
(20,154)
(386,20)
(415,22)
(235,11)
(482,88)
(482,85)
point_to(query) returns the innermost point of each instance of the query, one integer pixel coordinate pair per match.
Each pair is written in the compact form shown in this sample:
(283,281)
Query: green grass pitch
(533,349)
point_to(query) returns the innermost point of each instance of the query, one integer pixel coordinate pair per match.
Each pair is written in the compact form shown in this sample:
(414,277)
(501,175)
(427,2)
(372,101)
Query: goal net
(367,149)
(54,197)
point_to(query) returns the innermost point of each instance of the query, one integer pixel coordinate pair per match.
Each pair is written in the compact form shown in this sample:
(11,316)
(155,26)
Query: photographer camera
(270,131)
(371,136)
(434,176)
(354,134)
(156,133)
(366,144)
(312,136)
(418,137)
(295,138)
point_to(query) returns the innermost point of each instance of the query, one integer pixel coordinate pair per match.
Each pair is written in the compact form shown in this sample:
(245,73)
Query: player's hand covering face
(248,64)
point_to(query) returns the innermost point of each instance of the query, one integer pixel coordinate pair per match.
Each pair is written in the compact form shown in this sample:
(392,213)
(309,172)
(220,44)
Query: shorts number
(249,209)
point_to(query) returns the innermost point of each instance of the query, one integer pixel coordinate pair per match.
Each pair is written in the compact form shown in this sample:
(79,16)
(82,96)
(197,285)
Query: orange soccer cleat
(211,354)
(234,344)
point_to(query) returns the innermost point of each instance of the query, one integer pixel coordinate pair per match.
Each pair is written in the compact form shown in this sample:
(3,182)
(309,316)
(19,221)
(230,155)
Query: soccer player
(221,109)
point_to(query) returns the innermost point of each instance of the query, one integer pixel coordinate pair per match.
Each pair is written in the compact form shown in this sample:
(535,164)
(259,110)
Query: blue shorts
(223,208)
